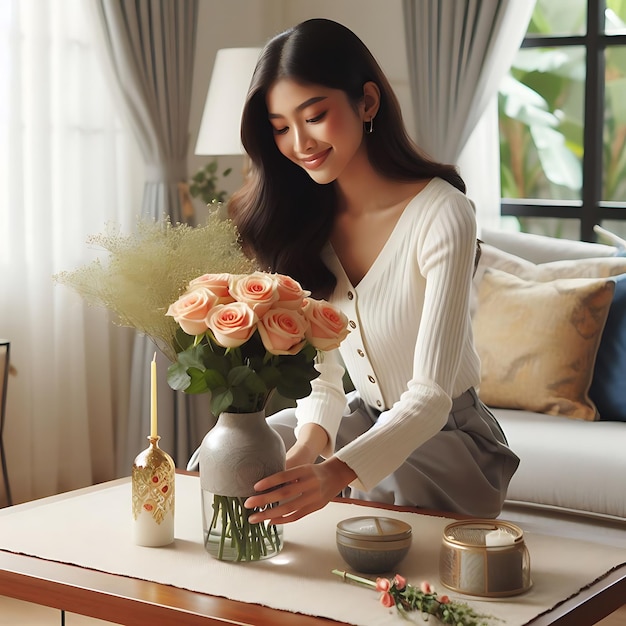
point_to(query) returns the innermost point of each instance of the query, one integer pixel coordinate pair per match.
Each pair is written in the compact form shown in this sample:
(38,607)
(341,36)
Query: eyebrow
(300,107)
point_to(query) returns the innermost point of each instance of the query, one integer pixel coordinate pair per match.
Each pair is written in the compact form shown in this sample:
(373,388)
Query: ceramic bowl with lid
(373,545)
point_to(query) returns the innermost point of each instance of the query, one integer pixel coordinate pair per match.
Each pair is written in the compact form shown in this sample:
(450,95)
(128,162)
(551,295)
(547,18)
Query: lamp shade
(221,119)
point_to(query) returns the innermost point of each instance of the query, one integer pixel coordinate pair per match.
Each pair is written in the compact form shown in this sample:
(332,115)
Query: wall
(234,23)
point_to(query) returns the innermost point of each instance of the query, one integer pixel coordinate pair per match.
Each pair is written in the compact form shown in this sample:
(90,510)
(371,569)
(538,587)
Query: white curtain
(148,47)
(479,164)
(458,51)
(67,167)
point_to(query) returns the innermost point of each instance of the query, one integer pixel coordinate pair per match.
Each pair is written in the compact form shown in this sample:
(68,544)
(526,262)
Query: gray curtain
(458,51)
(149,47)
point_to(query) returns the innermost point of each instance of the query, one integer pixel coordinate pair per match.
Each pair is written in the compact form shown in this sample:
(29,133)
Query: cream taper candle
(153,398)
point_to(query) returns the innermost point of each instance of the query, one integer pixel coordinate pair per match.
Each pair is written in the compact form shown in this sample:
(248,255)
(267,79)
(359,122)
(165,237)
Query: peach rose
(399,582)
(283,331)
(290,292)
(258,290)
(217,283)
(191,309)
(328,326)
(232,324)
(386,599)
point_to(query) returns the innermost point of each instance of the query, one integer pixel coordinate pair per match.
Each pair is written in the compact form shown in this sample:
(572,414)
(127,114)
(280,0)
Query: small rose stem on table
(353,577)
(424,599)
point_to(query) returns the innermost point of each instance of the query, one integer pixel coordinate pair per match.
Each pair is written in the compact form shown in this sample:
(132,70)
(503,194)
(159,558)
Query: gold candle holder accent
(153,479)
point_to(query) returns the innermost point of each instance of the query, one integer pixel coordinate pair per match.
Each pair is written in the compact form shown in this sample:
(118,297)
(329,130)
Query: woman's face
(317,128)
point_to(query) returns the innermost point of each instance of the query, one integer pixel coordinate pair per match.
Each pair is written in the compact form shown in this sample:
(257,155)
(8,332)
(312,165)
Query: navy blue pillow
(608,386)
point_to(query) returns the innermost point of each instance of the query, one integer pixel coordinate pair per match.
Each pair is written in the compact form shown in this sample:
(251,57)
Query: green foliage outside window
(541,110)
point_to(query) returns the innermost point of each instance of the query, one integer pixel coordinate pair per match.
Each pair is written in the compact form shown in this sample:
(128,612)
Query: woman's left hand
(298,491)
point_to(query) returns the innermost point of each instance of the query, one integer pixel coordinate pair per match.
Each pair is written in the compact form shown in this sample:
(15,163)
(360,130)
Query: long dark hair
(284,217)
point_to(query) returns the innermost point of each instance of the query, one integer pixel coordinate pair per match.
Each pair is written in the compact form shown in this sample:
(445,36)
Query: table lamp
(221,119)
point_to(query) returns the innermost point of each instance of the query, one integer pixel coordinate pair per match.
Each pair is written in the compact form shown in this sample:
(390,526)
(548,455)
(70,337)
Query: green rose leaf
(214,379)
(245,402)
(246,378)
(308,352)
(270,376)
(192,357)
(256,385)
(215,361)
(294,389)
(303,370)
(177,377)
(183,340)
(294,382)
(221,401)
(237,376)
(198,382)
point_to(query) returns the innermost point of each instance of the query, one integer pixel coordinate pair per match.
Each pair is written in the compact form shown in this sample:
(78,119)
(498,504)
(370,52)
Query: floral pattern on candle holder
(153,483)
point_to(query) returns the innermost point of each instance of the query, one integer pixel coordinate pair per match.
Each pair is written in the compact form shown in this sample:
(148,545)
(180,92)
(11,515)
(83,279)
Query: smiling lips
(315,160)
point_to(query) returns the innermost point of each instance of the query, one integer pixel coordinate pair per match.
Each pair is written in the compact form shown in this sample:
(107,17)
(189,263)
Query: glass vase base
(227,551)
(228,536)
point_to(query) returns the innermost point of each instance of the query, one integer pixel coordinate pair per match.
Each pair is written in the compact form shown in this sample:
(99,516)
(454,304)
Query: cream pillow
(595,267)
(494,258)
(538,341)
(591,267)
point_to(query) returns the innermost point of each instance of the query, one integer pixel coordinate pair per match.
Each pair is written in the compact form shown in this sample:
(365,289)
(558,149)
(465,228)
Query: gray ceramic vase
(237,452)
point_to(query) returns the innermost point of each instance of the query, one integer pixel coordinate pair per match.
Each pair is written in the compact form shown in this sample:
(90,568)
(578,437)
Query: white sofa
(568,464)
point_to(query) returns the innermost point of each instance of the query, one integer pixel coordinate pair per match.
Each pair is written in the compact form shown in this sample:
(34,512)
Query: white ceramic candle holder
(153,479)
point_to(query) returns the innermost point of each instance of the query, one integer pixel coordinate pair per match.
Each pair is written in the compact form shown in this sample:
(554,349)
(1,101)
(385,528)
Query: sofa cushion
(591,267)
(608,388)
(537,341)
(541,249)
(569,464)
(588,267)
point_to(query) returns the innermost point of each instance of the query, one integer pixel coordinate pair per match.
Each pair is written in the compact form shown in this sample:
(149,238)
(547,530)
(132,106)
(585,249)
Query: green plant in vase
(204,183)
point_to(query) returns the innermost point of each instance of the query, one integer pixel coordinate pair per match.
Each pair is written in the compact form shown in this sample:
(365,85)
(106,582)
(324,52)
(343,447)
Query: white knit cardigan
(410,350)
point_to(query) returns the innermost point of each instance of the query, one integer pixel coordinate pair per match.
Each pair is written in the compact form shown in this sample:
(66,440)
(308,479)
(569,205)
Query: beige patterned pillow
(538,342)
(591,267)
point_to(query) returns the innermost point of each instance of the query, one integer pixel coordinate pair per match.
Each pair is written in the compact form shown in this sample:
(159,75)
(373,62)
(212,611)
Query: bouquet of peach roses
(244,336)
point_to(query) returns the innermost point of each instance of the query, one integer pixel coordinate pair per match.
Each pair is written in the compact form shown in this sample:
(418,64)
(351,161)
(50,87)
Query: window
(562,111)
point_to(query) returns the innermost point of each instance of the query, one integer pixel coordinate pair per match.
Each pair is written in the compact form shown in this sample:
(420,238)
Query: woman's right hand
(298,491)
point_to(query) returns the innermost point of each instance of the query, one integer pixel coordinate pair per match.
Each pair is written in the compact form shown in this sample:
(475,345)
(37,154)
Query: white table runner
(93,530)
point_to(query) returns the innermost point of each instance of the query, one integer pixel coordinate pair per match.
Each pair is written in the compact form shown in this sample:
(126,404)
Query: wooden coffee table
(136,602)
(131,601)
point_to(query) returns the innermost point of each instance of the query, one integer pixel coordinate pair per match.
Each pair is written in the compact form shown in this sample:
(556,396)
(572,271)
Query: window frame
(590,210)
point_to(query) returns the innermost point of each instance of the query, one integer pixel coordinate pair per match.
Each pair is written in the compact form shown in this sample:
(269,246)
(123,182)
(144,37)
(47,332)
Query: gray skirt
(465,468)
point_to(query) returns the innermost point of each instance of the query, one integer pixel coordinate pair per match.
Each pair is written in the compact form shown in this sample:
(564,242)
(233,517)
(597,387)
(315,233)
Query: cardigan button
(350,295)
(360,352)
(379,403)
(371,379)
(352,324)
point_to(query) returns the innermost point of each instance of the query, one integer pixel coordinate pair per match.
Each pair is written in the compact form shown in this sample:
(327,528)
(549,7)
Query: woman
(339,198)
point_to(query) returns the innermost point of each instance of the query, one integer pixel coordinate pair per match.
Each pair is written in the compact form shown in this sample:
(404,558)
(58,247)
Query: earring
(369,127)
